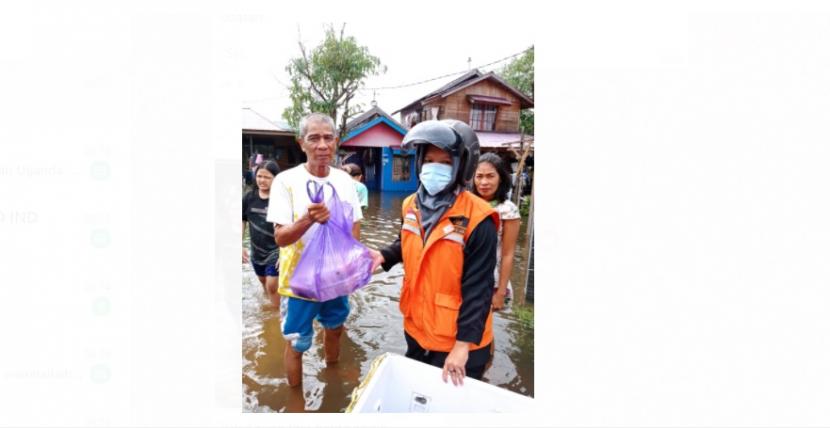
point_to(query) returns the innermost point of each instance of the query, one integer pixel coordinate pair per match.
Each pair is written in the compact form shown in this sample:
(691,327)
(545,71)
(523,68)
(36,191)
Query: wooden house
(274,140)
(485,101)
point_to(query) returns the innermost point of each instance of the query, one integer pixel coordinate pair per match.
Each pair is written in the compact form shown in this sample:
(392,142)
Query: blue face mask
(435,177)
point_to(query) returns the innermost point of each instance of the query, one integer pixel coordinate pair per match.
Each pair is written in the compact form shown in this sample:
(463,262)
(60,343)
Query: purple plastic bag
(333,263)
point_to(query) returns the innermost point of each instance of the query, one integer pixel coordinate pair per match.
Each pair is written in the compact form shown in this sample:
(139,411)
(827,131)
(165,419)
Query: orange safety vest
(431,292)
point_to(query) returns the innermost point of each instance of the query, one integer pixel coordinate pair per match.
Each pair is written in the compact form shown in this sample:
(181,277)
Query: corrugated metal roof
(472,74)
(526,102)
(470,78)
(368,116)
(255,121)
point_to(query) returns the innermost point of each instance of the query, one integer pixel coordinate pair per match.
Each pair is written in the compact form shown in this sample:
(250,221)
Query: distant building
(373,141)
(275,140)
(484,101)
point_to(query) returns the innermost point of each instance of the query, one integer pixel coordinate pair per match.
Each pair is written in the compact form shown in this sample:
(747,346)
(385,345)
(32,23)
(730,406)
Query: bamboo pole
(529,269)
(517,181)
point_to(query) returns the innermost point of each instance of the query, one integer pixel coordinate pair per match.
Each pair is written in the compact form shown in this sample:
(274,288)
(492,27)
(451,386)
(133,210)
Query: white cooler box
(398,384)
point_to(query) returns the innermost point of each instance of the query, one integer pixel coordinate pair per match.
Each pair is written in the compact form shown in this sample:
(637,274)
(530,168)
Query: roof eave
(525,101)
(380,119)
(442,89)
(267,132)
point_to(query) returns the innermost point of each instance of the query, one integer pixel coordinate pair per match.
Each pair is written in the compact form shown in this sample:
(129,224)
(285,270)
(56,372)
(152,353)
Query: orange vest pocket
(446,314)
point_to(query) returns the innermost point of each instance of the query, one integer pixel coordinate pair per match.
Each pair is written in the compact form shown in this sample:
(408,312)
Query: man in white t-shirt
(293,213)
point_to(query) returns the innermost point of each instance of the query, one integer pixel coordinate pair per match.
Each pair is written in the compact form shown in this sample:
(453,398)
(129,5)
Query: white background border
(683,239)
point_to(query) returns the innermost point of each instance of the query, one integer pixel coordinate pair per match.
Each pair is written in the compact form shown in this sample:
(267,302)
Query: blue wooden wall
(387,184)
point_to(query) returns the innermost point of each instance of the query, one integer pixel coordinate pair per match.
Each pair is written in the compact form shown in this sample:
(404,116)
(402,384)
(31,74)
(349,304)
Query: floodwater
(374,326)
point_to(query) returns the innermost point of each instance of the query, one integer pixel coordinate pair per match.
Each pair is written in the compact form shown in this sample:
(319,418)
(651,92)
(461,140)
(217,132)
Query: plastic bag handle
(316,197)
(318,190)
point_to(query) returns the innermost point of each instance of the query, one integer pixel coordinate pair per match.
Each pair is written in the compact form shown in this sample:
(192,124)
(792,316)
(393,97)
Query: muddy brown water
(374,326)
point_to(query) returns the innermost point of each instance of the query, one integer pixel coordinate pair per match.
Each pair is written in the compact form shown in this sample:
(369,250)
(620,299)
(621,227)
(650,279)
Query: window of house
(433,111)
(412,119)
(400,168)
(430,113)
(483,117)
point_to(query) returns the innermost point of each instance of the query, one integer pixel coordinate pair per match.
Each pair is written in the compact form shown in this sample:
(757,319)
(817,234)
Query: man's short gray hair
(314,117)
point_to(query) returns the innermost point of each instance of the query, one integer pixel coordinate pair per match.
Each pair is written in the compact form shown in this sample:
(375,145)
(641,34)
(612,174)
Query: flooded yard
(374,326)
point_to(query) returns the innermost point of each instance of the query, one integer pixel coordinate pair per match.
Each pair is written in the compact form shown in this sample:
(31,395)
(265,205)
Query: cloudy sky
(412,52)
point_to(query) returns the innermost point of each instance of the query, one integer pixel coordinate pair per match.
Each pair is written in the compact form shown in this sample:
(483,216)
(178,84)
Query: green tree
(326,80)
(519,73)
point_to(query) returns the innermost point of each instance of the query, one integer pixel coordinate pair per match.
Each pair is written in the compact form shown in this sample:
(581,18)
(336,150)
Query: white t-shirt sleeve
(280,206)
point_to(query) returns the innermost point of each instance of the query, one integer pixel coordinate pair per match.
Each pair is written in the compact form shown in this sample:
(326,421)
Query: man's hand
(377,259)
(318,212)
(245,258)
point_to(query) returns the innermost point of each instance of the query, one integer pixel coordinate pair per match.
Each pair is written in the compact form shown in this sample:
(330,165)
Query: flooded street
(374,326)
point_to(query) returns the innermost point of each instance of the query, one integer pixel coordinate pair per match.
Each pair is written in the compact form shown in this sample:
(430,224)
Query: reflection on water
(374,326)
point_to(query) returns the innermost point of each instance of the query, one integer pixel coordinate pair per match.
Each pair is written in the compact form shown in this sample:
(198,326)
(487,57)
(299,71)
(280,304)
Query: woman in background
(264,251)
(492,183)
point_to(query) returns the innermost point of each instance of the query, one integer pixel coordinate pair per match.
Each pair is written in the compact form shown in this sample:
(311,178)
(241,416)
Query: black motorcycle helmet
(454,136)
(470,149)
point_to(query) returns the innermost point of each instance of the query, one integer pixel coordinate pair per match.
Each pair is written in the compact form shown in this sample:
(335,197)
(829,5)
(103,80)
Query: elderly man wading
(293,213)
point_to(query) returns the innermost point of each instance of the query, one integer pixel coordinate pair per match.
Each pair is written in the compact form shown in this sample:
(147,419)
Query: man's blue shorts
(265,270)
(297,316)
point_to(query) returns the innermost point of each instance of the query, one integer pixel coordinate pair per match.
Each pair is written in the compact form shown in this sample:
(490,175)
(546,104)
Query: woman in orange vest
(447,244)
